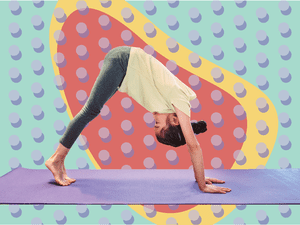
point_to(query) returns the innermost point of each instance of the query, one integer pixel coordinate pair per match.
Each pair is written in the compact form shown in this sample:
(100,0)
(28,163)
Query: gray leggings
(110,78)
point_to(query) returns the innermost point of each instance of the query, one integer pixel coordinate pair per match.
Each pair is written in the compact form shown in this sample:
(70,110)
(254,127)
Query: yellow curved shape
(204,71)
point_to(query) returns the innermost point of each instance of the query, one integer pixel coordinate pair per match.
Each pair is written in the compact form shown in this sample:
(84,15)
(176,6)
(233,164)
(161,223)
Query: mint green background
(47,147)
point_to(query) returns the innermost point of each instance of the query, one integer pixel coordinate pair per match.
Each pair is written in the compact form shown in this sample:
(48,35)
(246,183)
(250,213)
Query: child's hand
(210,180)
(215,189)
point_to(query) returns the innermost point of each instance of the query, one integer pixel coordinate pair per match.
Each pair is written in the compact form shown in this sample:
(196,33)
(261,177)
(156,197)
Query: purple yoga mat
(254,186)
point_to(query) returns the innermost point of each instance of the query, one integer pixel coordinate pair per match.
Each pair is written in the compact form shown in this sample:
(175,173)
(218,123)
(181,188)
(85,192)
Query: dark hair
(172,135)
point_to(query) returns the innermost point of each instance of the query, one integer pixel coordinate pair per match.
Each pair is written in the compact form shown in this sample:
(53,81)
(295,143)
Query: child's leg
(111,75)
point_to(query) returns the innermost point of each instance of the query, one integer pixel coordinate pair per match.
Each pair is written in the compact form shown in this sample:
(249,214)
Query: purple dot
(59,59)
(104,135)
(127,105)
(15,30)
(239,157)
(238,43)
(284,163)
(217,97)
(81,96)
(127,150)
(37,22)
(239,112)
(37,112)
(59,82)
(15,120)
(239,67)
(284,119)
(284,142)
(100,64)
(262,60)
(171,20)
(284,75)
(261,57)
(105,110)
(172,157)
(172,67)
(126,125)
(103,42)
(216,118)
(15,142)
(15,8)
(37,134)
(216,163)
(81,50)
(195,37)
(15,52)
(82,7)
(59,127)
(82,74)
(150,50)
(284,30)
(240,4)
(125,167)
(195,105)
(149,119)
(37,45)
(239,134)
(82,30)
(262,37)
(283,95)
(284,7)
(60,37)
(195,15)
(172,45)
(104,155)
(149,163)
(149,142)
(126,147)
(126,35)
(262,15)
(60,15)
(104,45)
(149,7)
(38,3)
(284,52)
(104,20)
(104,132)
(15,75)
(37,90)
(261,80)
(127,15)
(217,30)
(173,3)
(217,7)
(239,22)
(195,82)
(216,140)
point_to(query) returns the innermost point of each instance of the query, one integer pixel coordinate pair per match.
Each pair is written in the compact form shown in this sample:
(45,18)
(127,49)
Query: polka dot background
(256,41)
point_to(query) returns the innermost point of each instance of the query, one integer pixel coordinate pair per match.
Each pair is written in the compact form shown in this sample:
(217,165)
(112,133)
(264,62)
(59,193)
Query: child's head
(168,130)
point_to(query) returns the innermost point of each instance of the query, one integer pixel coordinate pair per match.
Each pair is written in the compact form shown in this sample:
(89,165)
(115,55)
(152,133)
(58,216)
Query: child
(153,86)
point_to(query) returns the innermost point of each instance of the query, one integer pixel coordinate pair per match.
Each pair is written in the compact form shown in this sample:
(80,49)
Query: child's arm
(196,154)
(193,147)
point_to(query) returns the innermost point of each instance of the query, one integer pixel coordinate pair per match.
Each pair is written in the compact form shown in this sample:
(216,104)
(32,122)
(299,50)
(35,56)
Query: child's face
(161,120)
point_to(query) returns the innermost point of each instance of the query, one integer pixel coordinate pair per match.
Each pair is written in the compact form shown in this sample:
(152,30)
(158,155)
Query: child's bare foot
(56,167)
(66,176)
